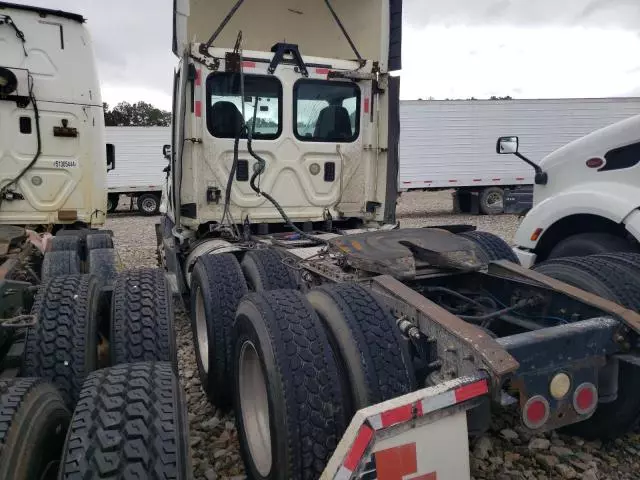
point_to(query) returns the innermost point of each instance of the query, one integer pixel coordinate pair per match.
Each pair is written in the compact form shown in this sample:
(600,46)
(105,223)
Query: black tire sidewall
(348,356)
(216,278)
(36,425)
(253,274)
(214,376)
(589,244)
(485,207)
(148,196)
(249,327)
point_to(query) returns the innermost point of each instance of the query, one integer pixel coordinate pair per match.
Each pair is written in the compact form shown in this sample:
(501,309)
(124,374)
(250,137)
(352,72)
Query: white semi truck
(328,330)
(88,387)
(586,196)
(139,171)
(451,144)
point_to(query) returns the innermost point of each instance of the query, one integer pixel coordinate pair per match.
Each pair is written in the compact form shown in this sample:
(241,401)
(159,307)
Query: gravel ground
(506,452)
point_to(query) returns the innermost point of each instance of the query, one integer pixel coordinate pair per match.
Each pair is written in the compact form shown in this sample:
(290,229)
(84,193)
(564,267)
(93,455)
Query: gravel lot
(507,452)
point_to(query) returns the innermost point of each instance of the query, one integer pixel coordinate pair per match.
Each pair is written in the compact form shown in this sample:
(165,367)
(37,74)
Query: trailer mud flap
(421,435)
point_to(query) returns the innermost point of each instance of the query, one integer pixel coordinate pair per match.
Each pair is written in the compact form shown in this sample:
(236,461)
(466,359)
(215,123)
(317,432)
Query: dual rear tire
(294,367)
(127,419)
(296,386)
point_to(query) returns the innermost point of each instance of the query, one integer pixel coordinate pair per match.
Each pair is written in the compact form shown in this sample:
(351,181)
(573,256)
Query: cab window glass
(262,98)
(326,111)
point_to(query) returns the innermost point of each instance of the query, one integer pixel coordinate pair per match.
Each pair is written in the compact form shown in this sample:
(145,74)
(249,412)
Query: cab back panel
(307,177)
(70,173)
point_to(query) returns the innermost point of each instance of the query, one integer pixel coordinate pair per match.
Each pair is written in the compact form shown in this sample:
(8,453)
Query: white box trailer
(139,167)
(452,144)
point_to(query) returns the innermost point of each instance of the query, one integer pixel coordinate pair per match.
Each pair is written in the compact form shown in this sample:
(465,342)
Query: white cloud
(524,62)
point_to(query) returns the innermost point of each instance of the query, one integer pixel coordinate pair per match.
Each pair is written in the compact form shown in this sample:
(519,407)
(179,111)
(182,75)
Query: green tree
(140,114)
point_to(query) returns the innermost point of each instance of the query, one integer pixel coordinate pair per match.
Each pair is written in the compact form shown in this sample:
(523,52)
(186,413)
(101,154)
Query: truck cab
(588,203)
(321,112)
(52,148)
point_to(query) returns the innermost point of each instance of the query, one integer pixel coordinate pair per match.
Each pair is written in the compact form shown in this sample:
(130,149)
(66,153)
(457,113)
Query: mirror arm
(541,177)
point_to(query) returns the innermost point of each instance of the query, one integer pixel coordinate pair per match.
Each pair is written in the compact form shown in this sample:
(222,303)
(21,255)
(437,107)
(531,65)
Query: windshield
(262,96)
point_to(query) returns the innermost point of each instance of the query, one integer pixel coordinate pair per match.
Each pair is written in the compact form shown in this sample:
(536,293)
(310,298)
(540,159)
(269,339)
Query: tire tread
(493,247)
(55,348)
(129,423)
(142,318)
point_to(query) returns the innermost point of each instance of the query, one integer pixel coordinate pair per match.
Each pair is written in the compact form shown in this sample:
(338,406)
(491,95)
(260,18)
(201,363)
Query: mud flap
(421,435)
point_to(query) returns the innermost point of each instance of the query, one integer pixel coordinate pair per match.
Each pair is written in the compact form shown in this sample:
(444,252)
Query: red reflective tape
(198,108)
(365,434)
(406,183)
(247,64)
(519,179)
(419,411)
(198,77)
(397,415)
(471,391)
(428,181)
(453,181)
(477,179)
(366,105)
(322,71)
(496,179)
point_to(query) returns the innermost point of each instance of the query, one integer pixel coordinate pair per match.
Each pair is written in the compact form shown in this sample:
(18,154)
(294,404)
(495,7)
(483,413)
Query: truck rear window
(262,96)
(326,111)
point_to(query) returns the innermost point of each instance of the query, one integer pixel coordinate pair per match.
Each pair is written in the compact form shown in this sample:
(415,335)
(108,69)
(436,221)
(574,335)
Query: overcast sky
(452,48)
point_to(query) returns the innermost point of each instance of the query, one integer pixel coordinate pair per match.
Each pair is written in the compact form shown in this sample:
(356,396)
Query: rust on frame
(493,356)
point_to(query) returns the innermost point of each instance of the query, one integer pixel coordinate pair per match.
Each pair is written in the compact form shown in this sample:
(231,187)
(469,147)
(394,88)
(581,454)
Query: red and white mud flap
(419,436)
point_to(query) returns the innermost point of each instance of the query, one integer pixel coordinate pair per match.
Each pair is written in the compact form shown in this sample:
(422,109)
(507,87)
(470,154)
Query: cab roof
(43,11)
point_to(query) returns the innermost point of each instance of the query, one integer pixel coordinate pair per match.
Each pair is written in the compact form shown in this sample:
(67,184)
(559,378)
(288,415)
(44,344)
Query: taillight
(535,412)
(585,398)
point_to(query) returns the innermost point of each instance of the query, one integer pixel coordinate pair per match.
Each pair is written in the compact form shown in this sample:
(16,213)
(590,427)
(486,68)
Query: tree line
(140,114)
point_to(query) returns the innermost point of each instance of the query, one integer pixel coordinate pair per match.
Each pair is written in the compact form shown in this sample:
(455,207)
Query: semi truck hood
(370,24)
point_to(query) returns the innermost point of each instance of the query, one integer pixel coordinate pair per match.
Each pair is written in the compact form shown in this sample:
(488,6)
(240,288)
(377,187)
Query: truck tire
(102,264)
(613,419)
(33,423)
(597,275)
(62,346)
(99,240)
(112,203)
(490,247)
(59,263)
(371,353)
(288,399)
(130,422)
(66,243)
(142,318)
(149,204)
(264,270)
(492,201)
(217,286)
(592,243)
(629,261)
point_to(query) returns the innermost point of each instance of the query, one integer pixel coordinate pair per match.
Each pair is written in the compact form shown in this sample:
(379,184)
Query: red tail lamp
(535,412)
(585,398)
